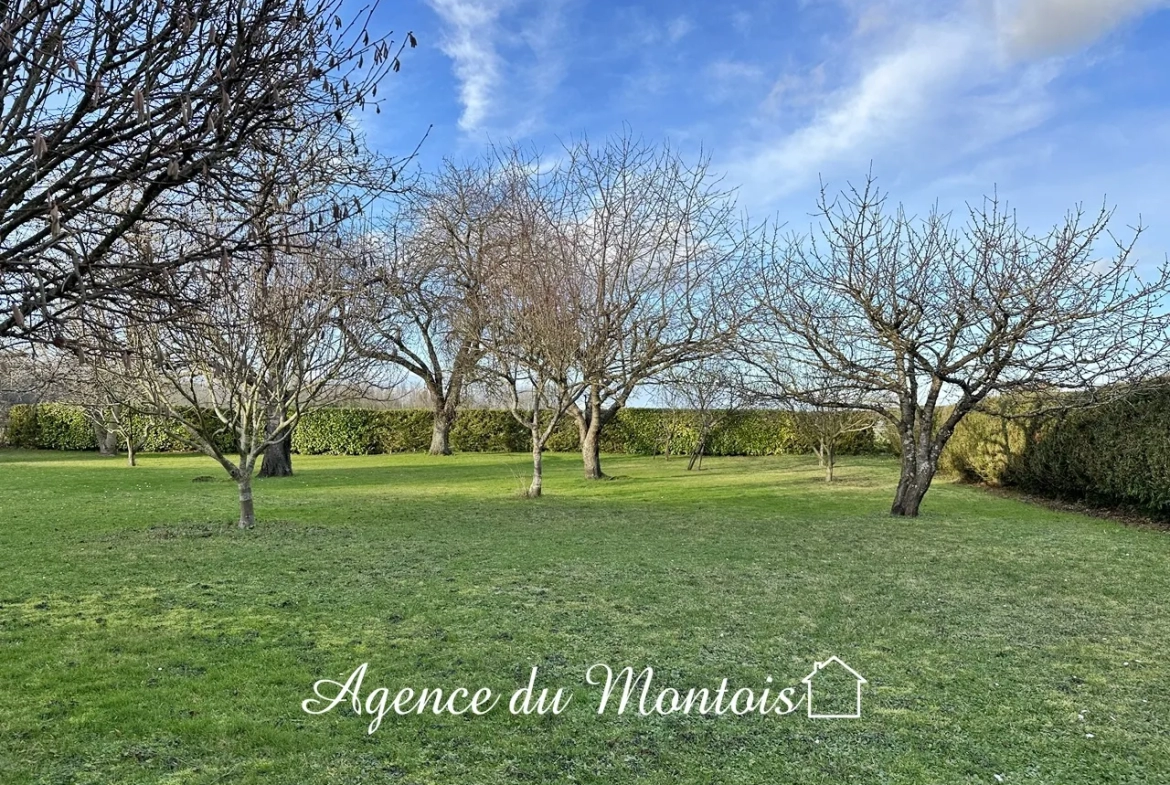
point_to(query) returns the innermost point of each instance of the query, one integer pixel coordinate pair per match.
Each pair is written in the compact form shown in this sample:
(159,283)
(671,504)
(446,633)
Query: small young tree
(534,327)
(261,339)
(707,394)
(919,321)
(94,382)
(825,429)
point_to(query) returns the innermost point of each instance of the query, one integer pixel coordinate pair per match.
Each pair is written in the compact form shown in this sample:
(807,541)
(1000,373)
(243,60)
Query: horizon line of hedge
(354,431)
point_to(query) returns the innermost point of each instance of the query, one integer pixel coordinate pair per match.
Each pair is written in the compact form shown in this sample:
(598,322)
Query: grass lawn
(144,639)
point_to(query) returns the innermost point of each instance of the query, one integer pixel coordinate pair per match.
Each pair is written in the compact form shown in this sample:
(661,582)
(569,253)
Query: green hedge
(60,426)
(632,431)
(367,431)
(1116,454)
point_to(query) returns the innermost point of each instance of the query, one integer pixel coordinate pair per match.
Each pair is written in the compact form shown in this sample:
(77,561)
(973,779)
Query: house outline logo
(818,667)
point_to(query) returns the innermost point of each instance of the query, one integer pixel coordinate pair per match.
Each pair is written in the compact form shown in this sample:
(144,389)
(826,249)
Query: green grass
(144,639)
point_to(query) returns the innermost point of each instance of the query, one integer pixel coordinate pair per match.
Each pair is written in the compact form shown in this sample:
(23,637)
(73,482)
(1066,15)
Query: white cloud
(508,57)
(897,90)
(1038,28)
(470,42)
(932,88)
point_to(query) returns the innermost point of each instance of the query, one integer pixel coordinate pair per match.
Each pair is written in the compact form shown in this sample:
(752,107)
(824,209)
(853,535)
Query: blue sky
(1052,102)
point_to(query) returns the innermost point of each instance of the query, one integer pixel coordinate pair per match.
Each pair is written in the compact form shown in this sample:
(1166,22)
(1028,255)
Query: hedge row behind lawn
(345,431)
(62,426)
(1116,455)
(632,431)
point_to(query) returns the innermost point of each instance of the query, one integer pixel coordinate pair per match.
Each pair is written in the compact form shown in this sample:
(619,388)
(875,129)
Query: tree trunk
(590,429)
(247,511)
(919,463)
(441,430)
(107,441)
(537,470)
(909,470)
(697,455)
(829,461)
(278,458)
(912,497)
(131,456)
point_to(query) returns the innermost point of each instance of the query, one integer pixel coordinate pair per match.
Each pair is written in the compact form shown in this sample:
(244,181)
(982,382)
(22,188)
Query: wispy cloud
(726,79)
(677,28)
(469,39)
(508,56)
(941,86)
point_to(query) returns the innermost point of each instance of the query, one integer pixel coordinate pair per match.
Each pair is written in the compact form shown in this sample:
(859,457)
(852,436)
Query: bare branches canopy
(112,108)
(920,320)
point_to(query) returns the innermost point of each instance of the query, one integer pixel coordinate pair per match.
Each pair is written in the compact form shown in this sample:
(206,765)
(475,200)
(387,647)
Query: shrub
(1115,454)
(61,426)
(50,426)
(985,446)
(343,431)
(21,429)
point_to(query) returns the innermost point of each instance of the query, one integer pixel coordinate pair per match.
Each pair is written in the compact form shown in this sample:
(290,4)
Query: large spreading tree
(119,112)
(658,250)
(919,321)
(425,280)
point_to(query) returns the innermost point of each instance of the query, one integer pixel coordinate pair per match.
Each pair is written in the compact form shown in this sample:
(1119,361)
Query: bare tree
(307,194)
(660,251)
(919,321)
(94,382)
(113,111)
(825,429)
(534,320)
(707,393)
(425,284)
(263,339)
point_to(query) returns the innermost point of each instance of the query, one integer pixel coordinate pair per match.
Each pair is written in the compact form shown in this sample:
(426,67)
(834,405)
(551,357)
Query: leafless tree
(314,185)
(920,320)
(825,429)
(534,319)
(660,251)
(425,284)
(706,393)
(263,339)
(94,382)
(117,112)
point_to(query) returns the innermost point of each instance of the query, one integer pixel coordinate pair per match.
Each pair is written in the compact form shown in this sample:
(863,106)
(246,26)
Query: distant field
(144,639)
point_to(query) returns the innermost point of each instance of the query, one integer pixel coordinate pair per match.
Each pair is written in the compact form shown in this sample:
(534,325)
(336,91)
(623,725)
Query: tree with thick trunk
(278,454)
(918,321)
(423,287)
(107,441)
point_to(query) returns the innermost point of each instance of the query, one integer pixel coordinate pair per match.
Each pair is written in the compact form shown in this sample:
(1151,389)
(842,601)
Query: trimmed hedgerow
(1116,454)
(50,426)
(632,431)
(343,431)
(60,426)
